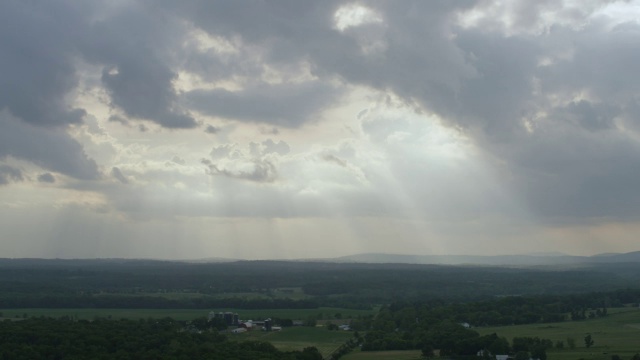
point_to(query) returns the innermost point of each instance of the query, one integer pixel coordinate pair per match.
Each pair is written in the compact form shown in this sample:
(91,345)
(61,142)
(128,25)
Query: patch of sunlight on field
(384,355)
(617,333)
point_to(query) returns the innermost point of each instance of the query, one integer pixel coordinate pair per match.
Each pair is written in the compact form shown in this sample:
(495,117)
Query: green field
(384,355)
(618,333)
(299,337)
(183,314)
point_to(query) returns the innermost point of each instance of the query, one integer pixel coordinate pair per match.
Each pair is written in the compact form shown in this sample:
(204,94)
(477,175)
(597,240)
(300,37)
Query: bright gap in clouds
(353,15)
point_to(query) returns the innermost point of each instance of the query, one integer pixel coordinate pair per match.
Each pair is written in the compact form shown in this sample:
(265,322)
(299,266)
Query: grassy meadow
(618,333)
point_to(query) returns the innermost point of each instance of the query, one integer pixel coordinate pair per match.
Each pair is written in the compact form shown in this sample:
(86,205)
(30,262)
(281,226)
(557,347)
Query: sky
(313,129)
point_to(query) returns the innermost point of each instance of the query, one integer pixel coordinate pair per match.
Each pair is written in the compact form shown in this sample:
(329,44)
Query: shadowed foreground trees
(45,338)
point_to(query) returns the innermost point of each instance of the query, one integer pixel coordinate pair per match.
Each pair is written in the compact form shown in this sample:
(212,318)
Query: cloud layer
(464,119)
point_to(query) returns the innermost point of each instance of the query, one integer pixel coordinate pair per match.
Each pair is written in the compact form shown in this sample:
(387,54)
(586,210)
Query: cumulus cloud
(269,146)
(256,164)
(258,170)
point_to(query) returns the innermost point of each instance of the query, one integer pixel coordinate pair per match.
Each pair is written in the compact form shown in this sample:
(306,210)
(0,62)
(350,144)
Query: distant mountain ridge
(506,260)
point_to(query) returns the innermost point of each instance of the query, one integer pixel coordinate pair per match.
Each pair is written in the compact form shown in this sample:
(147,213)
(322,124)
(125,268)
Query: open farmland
(297,338)
(618,333)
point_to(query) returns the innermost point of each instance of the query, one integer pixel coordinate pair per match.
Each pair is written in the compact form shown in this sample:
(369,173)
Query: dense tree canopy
(45,338)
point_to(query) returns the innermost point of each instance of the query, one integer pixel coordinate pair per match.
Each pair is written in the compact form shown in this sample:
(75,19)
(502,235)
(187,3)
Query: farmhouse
(247,325)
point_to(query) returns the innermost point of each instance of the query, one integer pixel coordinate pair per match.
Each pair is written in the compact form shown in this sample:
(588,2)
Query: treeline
(45,338)
(514,310)
(445,326)
(155,284)
(452,339)
(148,302)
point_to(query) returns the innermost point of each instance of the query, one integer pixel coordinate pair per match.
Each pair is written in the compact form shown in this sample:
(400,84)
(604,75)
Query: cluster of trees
(71,301)
(454,339)
(124,283)
(346,348)
(511,310)
(46,338)
(438,324)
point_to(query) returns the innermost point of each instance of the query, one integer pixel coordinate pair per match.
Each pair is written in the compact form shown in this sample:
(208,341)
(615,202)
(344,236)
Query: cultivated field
(299,337)
(618,333)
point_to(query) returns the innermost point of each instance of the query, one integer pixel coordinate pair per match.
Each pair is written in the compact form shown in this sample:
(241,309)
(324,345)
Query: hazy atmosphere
(300,129)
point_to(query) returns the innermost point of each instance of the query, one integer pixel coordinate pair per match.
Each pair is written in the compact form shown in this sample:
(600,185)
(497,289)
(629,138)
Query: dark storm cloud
(578,174)
(9,174)
(280,35)
(601,66)
(41,45)
(144,92)
(36,69)
(281,26)
(580,157)
(51,148)
(36,72)
(42,42)
(135,47)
